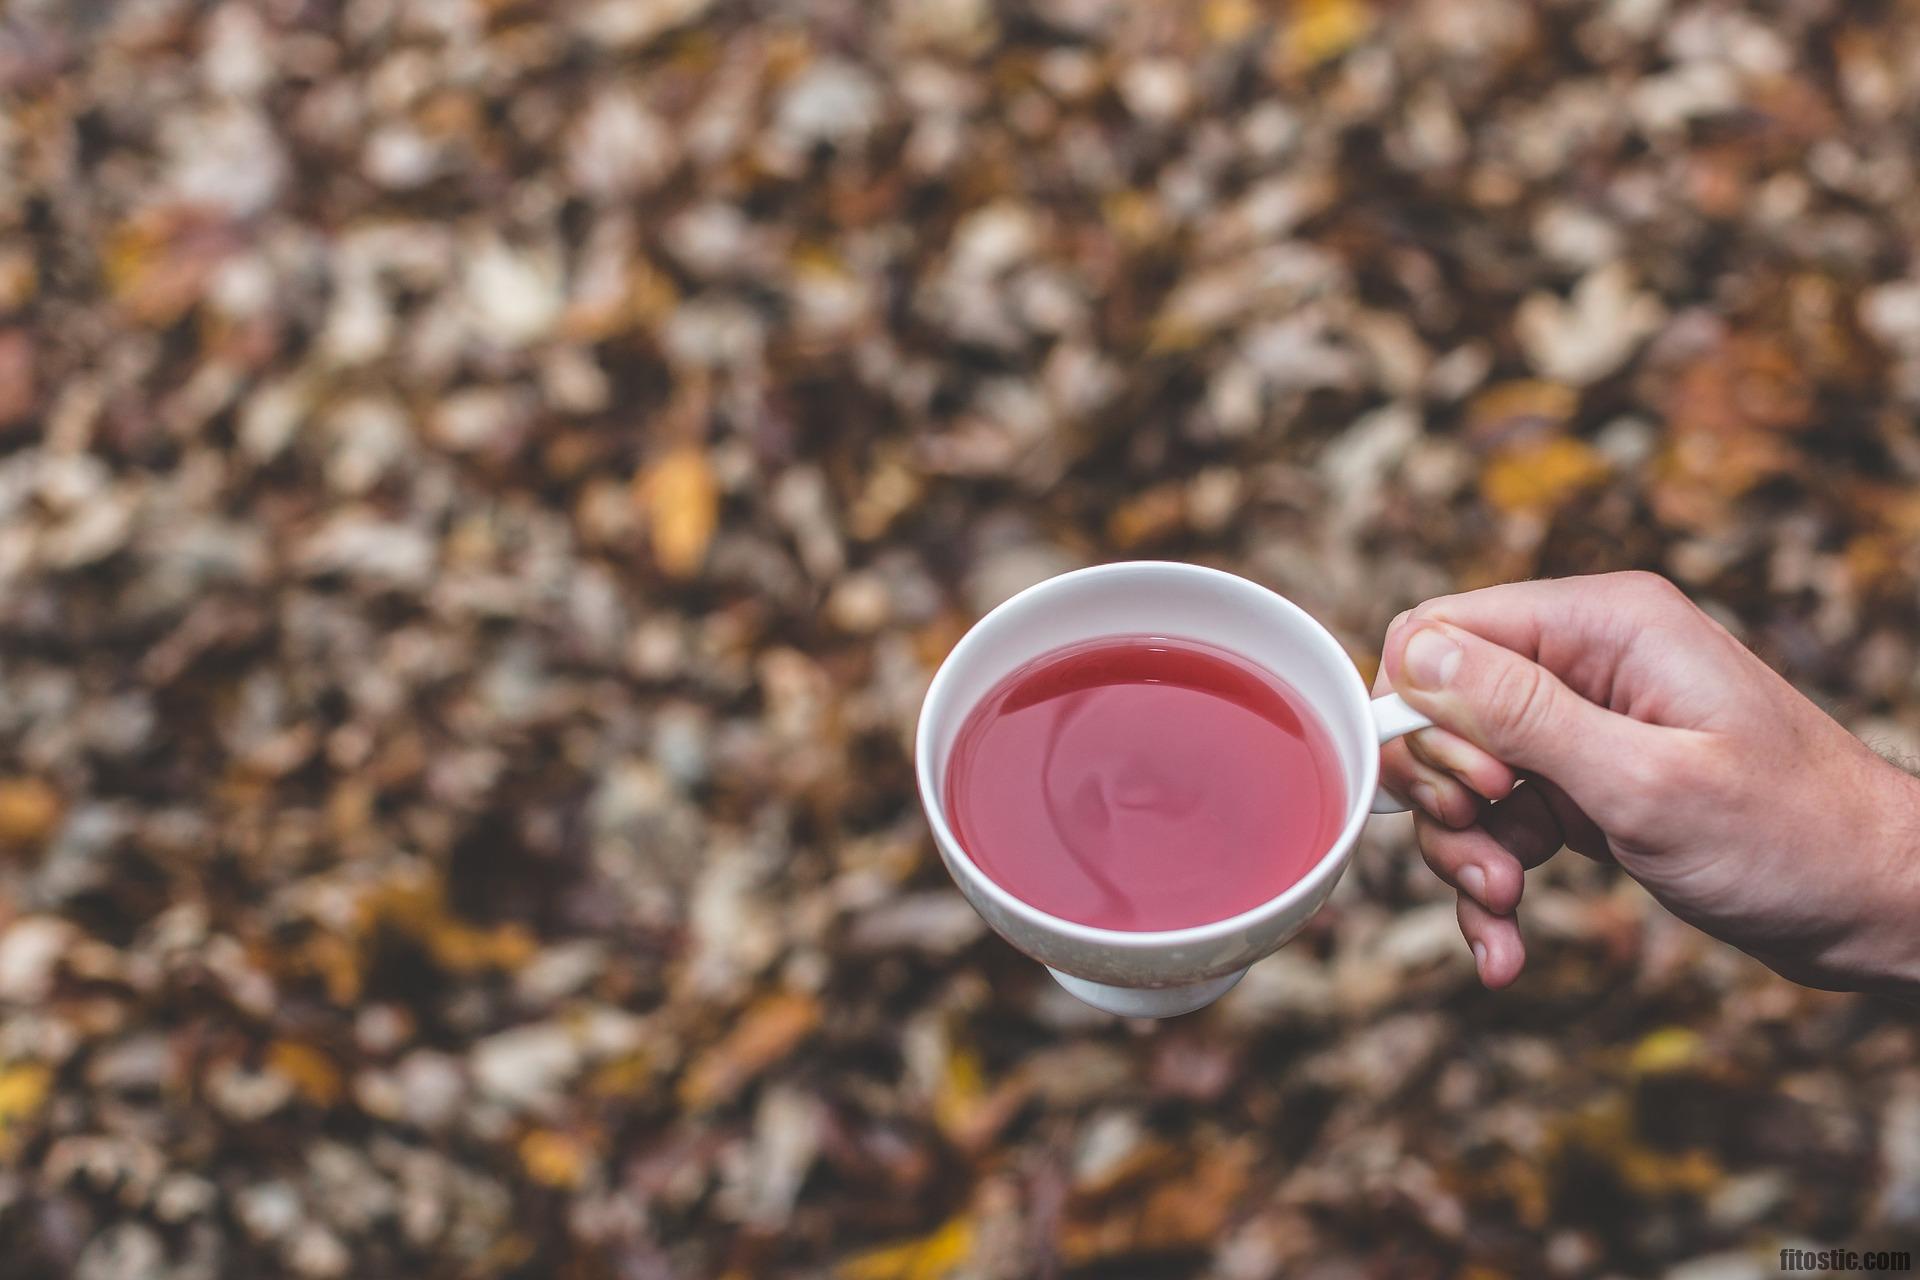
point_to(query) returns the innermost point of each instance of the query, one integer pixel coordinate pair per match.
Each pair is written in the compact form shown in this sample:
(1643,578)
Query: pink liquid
(1144,783)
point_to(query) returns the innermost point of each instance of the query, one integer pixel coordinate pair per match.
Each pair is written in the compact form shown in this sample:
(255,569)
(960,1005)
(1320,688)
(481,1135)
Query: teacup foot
(1147,1002)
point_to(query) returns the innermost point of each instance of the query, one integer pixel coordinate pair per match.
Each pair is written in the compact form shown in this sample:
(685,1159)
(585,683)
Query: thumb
(1518,711)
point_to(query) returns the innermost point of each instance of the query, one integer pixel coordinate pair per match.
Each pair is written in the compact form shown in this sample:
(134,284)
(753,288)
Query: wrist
(1892,897)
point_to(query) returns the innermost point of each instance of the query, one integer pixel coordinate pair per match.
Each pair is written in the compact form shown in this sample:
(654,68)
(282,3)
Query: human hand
(1610,715)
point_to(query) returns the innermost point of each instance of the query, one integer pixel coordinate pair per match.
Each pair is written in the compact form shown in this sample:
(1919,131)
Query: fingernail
(1423,794)
(1480,956)
(1474,881)
(1430,659)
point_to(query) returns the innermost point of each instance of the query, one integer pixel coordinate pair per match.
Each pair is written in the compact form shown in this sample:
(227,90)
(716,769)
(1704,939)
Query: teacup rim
(1329,863)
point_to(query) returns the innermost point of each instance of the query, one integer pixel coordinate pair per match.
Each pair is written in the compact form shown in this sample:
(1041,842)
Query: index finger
(1443,751)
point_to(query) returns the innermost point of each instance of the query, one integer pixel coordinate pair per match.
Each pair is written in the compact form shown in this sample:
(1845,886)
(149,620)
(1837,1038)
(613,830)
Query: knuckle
(1652,589)
(1423,611)
(1438,849)
(1521,700)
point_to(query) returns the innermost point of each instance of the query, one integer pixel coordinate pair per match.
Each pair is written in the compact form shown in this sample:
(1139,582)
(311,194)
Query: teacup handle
(1391,718)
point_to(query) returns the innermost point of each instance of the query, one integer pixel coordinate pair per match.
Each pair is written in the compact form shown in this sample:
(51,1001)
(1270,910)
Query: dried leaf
(19,377)
(158,262)
(312,1072)
(1541,476)
(932,1257)
(1227,20)
(417,908)
(1587,337)
(1665,1050)
(1153,514)
(555,1159)
(1318,30)
(1752,382)
(683,509)
(1511,411)
(624,1077)
(29,812)
(1605,1132)
(1701,473)
(768,1031)
(23,1091)
(962,1090)
(19,278)
(1187,1208)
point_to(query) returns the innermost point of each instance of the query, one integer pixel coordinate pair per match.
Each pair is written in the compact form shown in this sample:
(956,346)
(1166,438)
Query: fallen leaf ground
(484,485)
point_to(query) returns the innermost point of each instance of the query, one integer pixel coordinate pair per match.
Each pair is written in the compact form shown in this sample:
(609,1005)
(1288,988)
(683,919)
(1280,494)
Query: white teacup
(1164,972)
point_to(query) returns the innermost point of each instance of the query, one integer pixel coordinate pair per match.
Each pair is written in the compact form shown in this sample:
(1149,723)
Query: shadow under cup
(1164,972)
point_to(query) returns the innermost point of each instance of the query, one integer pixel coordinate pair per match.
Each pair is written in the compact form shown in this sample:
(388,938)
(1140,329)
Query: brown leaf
(1606,1132)
(418,908)
(767,1032)
(1186,1208)
(312,1072)
(158,262)
(555,1159)
(1154,514)
(1701,472)
(29,812)
(1750,382)
(18,377)
(19,278)
(1524,408)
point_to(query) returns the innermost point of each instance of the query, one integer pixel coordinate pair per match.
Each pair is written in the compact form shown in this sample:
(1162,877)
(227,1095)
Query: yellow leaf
(555,1159)
(683,509)
(418,909)
(769,1030)
(312,1072)
(1542,474)
(1146,516)
(459,947)
(1605,1131)
(157,263)
(1871,558)
(1521,1183)
(29,810)
(891,488)
(622,1077)
(1134,216)
(334,960)
(1319,30)
(23,1090)
(962,1088)
(1660,1173)
(1227,20)
(19,279)
(933,1257)
(506,1253)
(1508,411)
(1665,1050)
(413,907)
